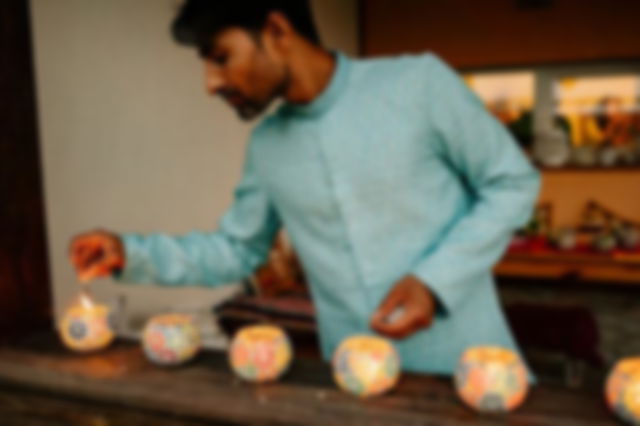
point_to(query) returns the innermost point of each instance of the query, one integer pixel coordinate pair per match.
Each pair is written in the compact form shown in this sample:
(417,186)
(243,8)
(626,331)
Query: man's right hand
(96,254)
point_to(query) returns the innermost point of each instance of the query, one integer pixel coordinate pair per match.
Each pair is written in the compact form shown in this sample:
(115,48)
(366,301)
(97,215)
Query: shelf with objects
(573,117)
(580,125)
(603,247)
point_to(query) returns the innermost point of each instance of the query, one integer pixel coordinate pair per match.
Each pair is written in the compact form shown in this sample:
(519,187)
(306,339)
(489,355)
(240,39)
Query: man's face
(248,73)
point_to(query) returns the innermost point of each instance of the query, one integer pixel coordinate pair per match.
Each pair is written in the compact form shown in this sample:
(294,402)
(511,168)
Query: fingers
(411,321)
(95,254)
(94,270)
(87,274)
(101,266)
(407,308)
(83,252)
(389,304)
(84,246)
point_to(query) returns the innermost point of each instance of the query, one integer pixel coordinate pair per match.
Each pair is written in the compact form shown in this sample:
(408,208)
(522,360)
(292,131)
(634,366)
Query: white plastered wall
(130,141)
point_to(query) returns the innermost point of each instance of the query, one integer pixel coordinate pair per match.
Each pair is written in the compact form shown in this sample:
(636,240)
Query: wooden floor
(43,384)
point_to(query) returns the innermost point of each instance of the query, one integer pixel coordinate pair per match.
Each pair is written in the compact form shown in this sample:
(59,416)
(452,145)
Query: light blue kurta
(395,169)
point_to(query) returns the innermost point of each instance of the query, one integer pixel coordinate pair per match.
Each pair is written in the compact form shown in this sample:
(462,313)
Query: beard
(248,109)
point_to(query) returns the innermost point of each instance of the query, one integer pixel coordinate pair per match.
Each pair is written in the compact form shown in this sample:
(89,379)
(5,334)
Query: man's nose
(213,78)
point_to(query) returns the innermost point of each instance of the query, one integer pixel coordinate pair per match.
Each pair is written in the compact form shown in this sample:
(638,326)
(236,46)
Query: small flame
(85,301)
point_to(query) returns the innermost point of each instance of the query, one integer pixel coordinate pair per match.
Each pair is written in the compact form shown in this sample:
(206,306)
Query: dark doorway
(24,280)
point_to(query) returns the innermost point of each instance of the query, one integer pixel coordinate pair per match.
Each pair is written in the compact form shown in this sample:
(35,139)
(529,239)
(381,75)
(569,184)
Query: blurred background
(106,124)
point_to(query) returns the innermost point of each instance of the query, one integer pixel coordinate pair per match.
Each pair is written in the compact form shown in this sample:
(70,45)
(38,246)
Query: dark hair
(198,21)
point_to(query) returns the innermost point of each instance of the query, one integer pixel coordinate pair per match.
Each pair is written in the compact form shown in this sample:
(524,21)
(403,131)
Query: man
(397,188)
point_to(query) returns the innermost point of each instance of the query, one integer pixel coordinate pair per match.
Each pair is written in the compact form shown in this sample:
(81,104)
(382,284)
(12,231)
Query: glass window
(600,110)
(509,96)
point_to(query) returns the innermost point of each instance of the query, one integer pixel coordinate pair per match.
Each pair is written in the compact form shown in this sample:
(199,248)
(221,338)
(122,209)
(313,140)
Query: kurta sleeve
(232,252)
(502,184)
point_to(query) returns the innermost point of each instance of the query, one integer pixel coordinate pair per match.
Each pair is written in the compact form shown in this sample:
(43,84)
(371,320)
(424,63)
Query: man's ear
(278,30)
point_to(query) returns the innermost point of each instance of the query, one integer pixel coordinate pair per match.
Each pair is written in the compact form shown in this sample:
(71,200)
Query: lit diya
(622,390)
(171,339)
(366,365)
(491,379)
(86,325)
(260,353)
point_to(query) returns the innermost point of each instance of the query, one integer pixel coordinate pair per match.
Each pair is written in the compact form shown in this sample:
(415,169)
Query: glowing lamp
(366,365)
(622,390)
(86,325)
(170,339)
(260,353)
(491,379)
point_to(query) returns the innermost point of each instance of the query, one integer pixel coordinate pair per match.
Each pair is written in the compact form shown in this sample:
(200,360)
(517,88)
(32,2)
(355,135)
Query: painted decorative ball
(552,148)
(629,236)
(366,365)
(170,339)
(584,156)
(609,156)
(566,239)
(491,379)
(604,242)
(86,326)
(622,390)
(260,353)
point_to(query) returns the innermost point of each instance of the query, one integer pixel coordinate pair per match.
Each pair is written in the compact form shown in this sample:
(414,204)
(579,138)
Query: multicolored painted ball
(622,390)
(260,353)
(170,339)
(366,365)
(491,379)
(86,326)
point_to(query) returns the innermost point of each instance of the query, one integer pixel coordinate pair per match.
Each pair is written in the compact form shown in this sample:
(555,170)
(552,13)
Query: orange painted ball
(491,379)
(260,353)
(622,390)
(86,328)
(366,365)
(171,339)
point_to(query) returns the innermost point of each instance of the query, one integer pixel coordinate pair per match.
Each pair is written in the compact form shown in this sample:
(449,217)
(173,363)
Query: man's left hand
(407,308)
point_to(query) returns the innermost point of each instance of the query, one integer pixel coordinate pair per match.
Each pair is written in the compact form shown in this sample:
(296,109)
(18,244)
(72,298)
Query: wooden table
(43,384)
(619,269)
